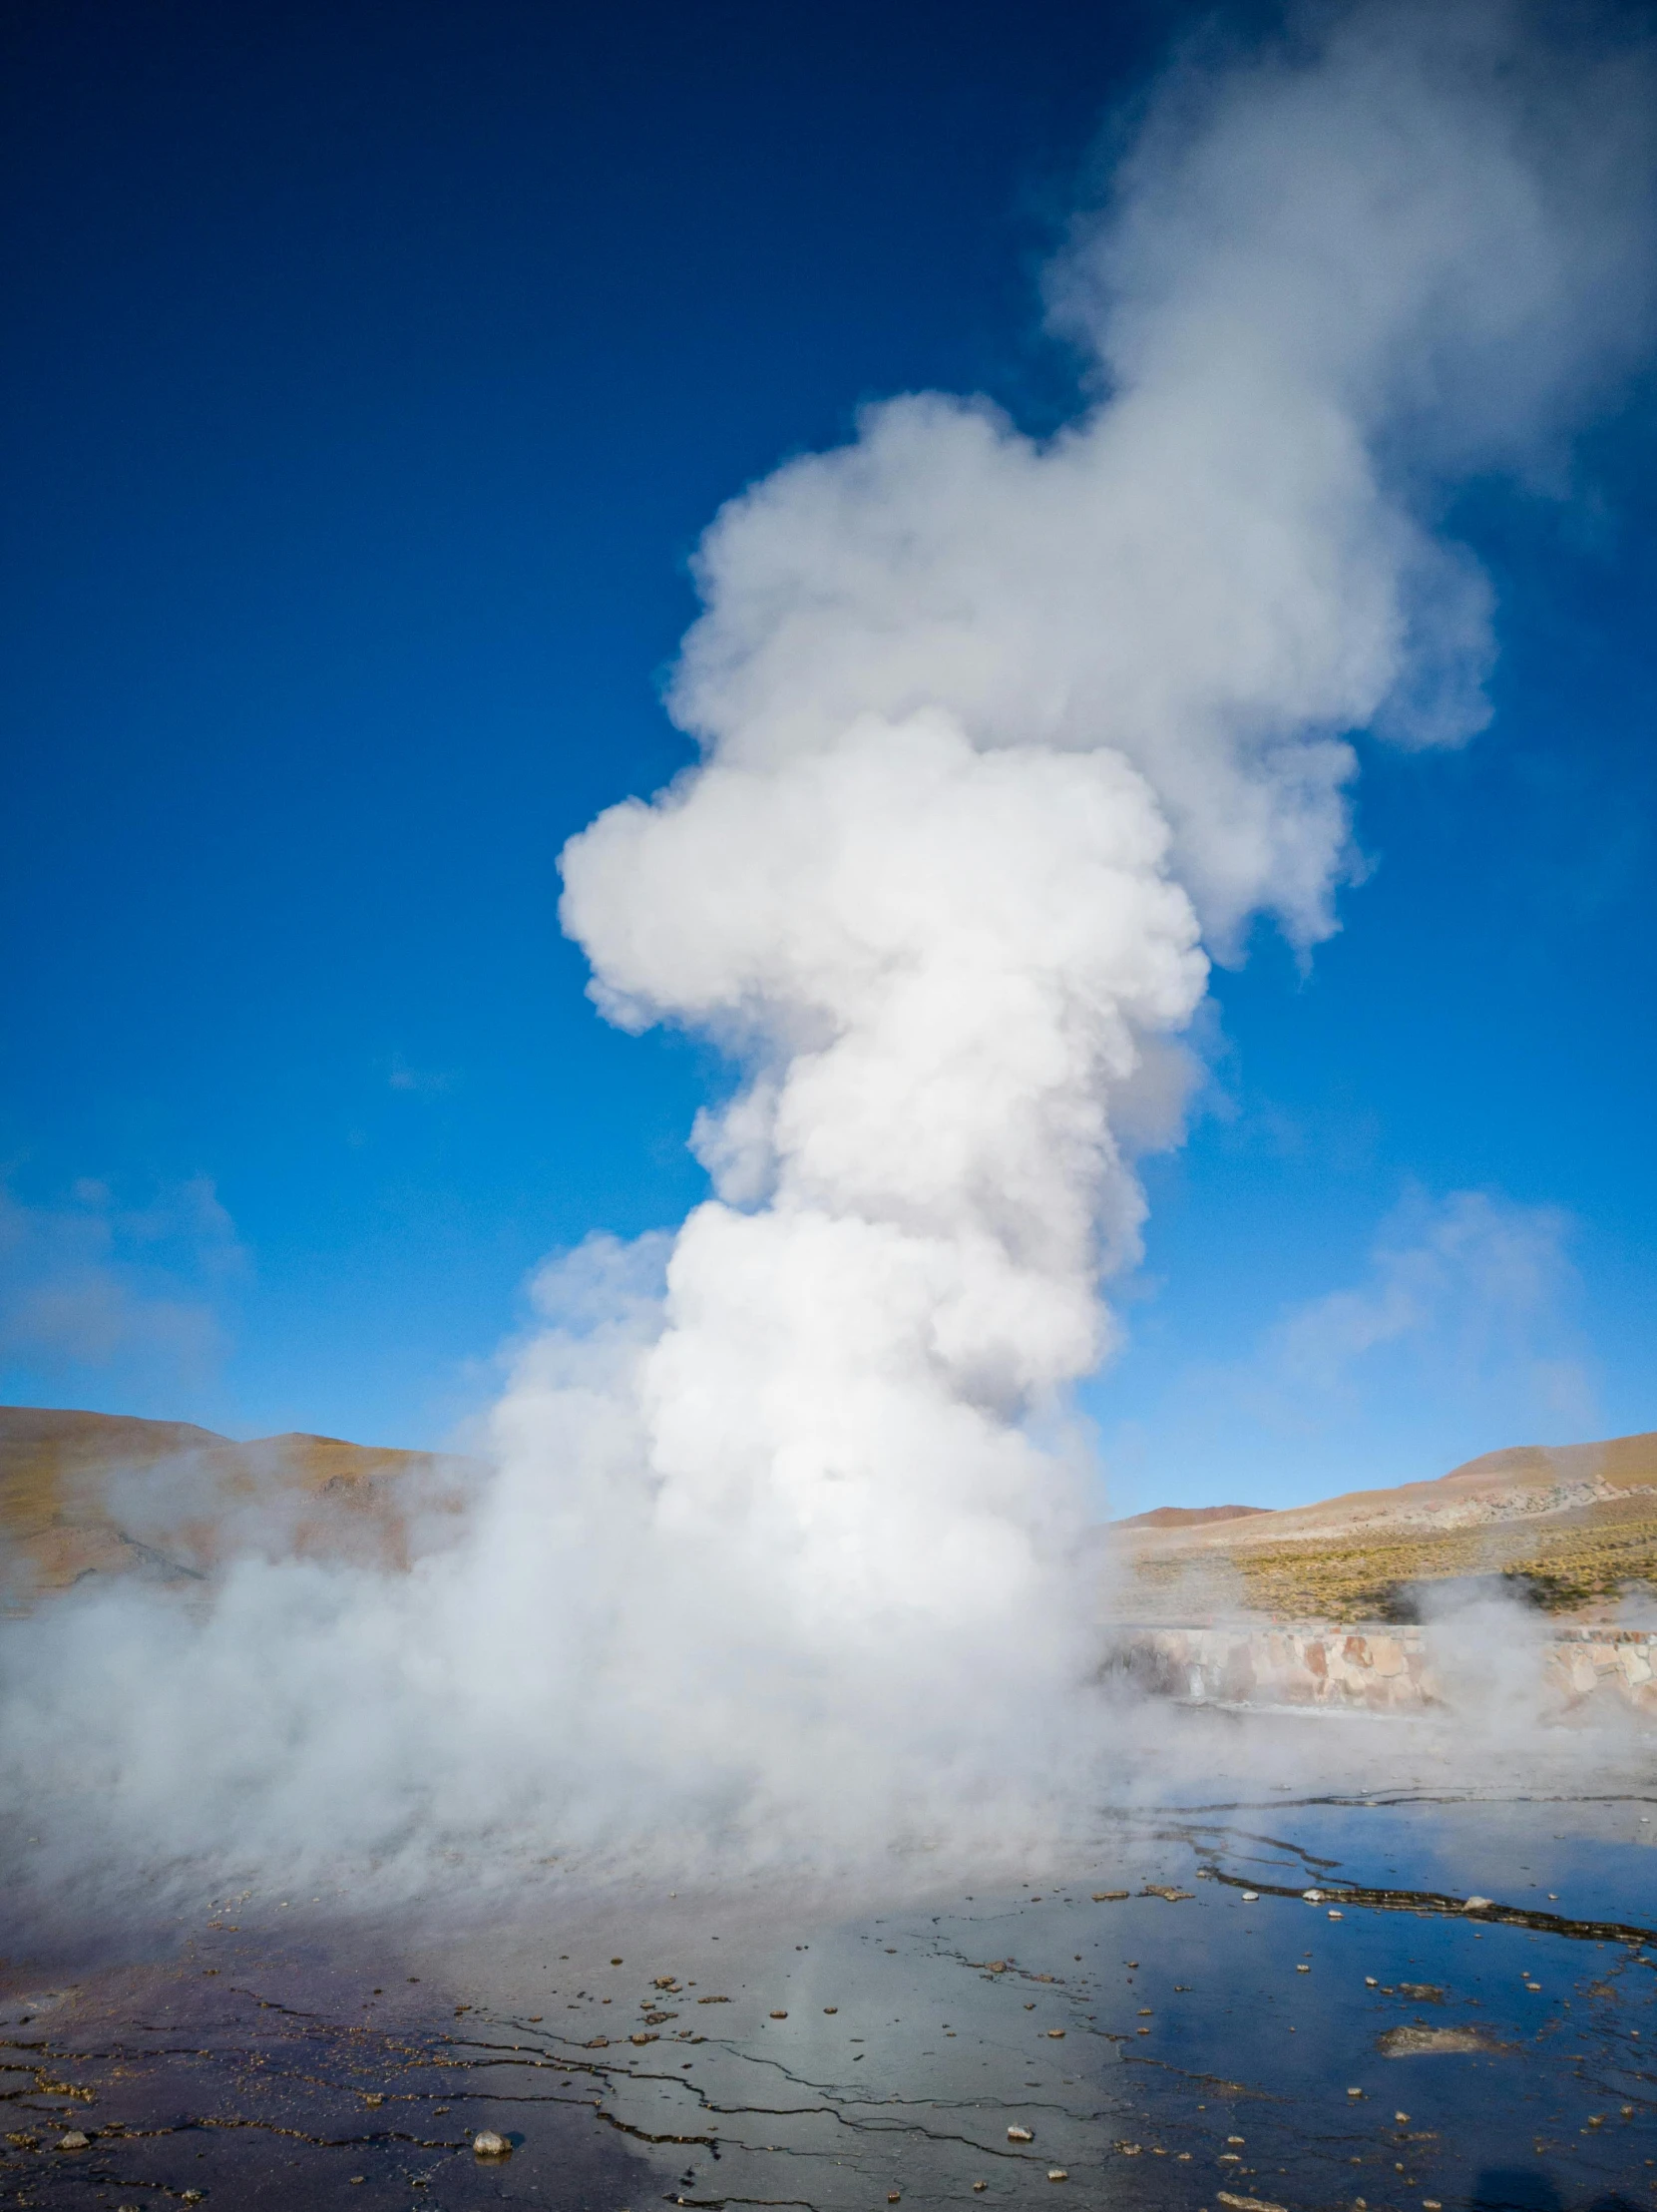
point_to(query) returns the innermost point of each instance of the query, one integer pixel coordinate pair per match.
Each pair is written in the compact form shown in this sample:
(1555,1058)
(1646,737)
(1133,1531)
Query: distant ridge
(1186,1517)
(93,1493)
(1569,1525)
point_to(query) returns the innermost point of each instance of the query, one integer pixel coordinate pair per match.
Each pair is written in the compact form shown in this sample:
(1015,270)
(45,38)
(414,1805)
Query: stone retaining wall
(1378,1668)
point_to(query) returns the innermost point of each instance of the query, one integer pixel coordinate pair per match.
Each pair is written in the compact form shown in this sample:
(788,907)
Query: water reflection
(1217,2006)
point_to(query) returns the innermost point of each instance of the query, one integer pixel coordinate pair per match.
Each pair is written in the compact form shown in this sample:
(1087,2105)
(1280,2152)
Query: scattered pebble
(1479,1904)
(75,2140)
(1057,2173)
(779,2015)
(1313,1897)
(1355,2093)
(1020,2135)
(1303,1970)
(1251,1896)
(980,2186)
(1056,2034)
(831,2007)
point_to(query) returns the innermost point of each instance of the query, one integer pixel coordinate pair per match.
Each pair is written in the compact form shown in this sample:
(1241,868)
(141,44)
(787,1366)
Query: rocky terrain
(1572,1529)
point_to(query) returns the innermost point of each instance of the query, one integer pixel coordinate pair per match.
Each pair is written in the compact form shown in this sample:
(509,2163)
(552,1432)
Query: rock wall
(1381,1668)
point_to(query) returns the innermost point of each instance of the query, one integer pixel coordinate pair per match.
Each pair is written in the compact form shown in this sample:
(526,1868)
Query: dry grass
(1572,1560)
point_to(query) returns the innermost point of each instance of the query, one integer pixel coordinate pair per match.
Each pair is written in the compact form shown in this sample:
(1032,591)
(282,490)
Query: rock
(642,2037)
(373,2096)
(1057,2173)
(1313,1897)
(978,2187)
(487,2144)
(831,2007)
(1418,2042)
(1479,1904)
(1108,1896)
(1056,2035)
(1020,2135)
(75,2140)
(1174,1897)
(1355,2093)
(1251,1896)
(1246,2204)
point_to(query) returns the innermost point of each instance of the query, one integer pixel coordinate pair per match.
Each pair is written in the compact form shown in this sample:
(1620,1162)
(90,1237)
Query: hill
(1570,1526)
(86,1493)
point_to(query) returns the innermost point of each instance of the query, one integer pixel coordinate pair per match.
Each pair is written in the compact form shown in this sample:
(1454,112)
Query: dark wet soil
(1291,2006)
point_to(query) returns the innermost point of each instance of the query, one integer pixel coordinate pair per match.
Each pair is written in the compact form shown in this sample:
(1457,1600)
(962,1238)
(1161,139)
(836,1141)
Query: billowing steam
(997,732)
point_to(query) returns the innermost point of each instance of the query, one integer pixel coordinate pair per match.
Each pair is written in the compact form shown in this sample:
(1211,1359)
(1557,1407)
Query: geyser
(997,732)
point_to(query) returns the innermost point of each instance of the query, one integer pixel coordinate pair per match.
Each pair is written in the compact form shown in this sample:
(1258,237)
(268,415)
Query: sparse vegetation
(1573,1560)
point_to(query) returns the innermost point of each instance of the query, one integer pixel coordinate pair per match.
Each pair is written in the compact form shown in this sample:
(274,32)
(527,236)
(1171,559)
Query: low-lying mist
(1003,738)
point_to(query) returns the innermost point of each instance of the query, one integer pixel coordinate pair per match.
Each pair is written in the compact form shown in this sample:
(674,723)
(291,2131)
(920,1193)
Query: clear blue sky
(371,373)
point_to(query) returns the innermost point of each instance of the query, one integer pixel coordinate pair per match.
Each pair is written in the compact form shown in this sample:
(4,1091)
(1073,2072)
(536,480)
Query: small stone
(1057,2173)
(487,2144)
(1108,1896)
(373,2096)
(1479,1904)
(1303,1970)
(1020,2135)
(893,2196)
(1251,1896)
(75,2140)
(1355,2093)
(1056,2035)
(644,2038)
(978,2187)
(1335,1915)
(831,2007)
(779,2015)
(1403,2118)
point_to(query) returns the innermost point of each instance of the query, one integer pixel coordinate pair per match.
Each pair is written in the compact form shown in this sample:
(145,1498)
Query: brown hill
(85,1494)
(1185,1516)
(1573,1524)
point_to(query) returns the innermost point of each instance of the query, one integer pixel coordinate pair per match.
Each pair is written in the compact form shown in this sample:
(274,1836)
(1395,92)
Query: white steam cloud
(997,733)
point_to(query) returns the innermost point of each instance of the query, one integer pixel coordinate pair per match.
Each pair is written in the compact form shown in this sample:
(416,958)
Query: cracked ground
(1286,2004)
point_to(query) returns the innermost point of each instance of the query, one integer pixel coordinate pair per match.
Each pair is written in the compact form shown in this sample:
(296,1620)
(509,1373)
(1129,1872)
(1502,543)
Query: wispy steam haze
(996,733)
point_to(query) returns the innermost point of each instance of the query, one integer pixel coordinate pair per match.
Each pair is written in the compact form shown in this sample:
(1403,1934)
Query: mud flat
(1423,1999)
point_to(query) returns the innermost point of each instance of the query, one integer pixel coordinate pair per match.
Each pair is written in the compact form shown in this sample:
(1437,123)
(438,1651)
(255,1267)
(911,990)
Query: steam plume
(996,734)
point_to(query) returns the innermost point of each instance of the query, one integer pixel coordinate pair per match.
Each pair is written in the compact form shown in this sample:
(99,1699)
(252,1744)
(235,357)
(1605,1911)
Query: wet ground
(1276,1998)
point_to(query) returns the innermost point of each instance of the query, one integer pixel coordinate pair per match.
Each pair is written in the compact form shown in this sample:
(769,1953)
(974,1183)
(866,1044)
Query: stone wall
(1378,1668)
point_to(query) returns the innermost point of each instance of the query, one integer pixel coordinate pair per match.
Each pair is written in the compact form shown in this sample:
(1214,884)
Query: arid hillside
(1572,1528)
(86,1494)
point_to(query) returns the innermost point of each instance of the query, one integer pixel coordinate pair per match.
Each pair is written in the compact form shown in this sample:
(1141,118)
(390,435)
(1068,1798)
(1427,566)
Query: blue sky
(373,374)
